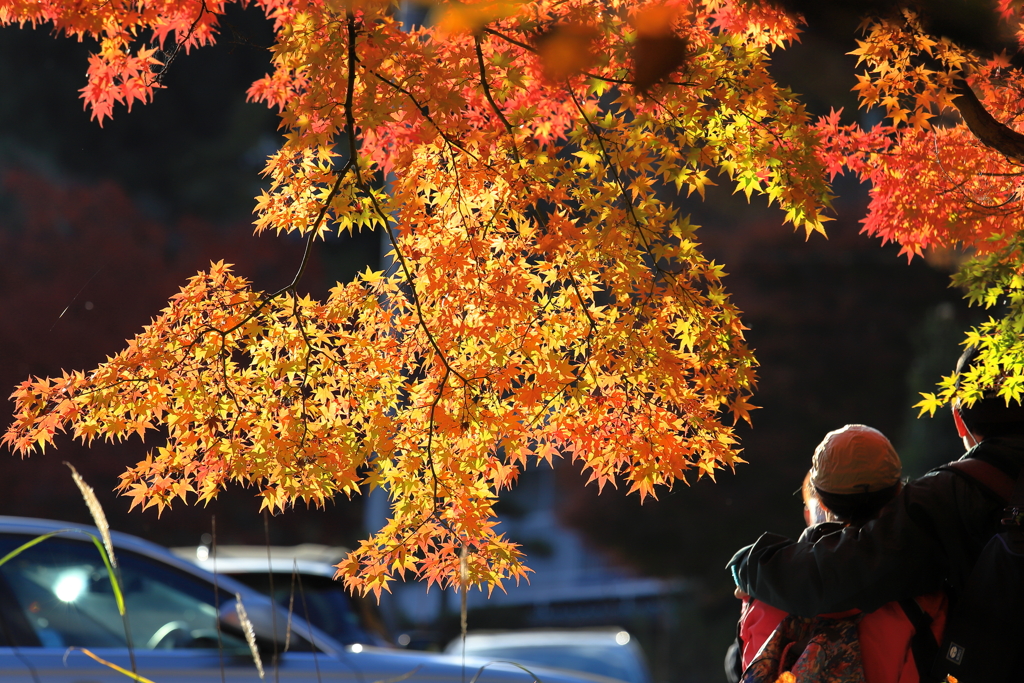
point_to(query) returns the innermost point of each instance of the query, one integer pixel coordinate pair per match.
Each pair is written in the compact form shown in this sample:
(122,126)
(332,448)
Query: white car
(182,624)
(610,652)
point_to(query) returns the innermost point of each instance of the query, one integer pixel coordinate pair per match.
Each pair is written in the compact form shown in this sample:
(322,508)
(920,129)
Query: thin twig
(350,129)
(588,74)
(273,598)
(425,111)
(216,595)
(490,98)
(177,47)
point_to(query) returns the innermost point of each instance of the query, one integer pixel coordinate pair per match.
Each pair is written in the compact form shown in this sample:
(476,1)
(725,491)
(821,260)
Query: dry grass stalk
(463,588)
(96,510)
(250,634)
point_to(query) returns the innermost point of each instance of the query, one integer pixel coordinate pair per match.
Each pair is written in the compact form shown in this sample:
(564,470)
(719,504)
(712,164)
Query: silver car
(56,599)
(610,652)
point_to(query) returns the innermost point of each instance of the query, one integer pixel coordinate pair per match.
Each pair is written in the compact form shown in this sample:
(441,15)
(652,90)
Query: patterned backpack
(809,650)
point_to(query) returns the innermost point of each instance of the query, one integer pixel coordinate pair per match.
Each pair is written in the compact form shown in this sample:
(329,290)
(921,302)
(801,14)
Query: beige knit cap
(855,459)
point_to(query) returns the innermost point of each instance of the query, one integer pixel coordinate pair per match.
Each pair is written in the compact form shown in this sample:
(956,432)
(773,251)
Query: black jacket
(926,539)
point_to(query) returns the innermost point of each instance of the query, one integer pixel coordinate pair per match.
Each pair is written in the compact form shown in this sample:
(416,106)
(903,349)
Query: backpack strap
(991,478)
(923,643)
(1015,507)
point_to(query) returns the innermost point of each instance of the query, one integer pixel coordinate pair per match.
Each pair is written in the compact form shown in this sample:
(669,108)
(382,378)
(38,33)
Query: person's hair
(857,508)
(989,416)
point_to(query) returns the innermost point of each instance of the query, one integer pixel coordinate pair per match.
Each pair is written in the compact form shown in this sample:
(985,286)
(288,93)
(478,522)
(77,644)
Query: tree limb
(985,127)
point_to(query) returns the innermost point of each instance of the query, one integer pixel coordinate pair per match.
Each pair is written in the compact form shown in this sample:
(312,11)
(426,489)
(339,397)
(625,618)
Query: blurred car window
(63,590)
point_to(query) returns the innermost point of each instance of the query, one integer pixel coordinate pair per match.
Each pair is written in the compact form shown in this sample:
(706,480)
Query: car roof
(545,637)
(239,565)
(36,526)
(312,552)
(309,559)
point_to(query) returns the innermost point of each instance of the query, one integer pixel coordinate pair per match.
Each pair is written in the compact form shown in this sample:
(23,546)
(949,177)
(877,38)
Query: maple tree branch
(586,312)
(223,355)
(986,128)
(350,119)
(177,47)
(425,111)
(290,287)
(588,74)
(465,219)
(430,436)
(490,98)
(416,298)
(305,369)
(313,232)
(350,129)
(468,223)
(510,39)
(227,385)
(543,411)
(610,164)
(222,358)
(958,187)
(185,348)
(993,174)
(412,287)
(642,238)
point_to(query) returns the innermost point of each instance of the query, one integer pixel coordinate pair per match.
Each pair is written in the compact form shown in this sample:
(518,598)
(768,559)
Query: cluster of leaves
(964,193)
(546,299)
(990,280)
(946,170)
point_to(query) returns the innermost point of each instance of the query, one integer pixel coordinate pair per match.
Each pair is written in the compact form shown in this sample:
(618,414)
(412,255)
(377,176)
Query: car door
(60,601)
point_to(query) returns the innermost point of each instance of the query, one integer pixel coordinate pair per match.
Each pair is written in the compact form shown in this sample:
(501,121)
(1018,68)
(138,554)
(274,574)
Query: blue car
(182,624)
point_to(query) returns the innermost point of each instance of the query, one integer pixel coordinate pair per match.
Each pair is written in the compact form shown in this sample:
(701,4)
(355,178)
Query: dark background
(100,226)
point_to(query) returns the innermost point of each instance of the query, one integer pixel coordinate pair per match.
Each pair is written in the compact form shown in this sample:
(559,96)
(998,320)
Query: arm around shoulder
(897,555)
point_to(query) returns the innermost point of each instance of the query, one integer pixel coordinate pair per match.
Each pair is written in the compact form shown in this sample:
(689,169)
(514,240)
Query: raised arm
(926,537)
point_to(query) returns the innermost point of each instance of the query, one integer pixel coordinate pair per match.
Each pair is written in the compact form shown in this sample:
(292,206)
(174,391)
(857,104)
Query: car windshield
(64,594)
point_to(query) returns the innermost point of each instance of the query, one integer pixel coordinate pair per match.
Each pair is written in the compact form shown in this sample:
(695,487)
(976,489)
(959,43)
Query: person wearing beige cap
(854,472)
(936,534)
